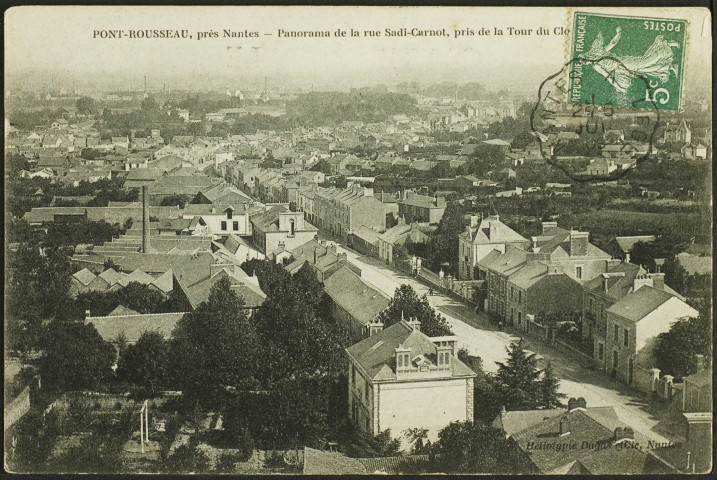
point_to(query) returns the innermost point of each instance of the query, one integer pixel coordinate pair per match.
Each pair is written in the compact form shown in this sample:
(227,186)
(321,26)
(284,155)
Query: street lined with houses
(483,340)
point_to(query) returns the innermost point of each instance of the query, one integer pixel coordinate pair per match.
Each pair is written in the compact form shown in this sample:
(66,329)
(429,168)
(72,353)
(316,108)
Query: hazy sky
(40,40)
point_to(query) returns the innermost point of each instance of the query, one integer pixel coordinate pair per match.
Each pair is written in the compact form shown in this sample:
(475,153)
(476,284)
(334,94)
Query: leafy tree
(174,200)
(92,455)
(443,243)
(468,447)
(215,347)
(146,363)
(548,389)
(75,358)
(473,362)
(518,379)
(664,246)
(675,274)
(140,298)
(676,349)
(86,106)
(357,443)
(186,458)
(33,444)
(417,437)
(407,304)
(321,166)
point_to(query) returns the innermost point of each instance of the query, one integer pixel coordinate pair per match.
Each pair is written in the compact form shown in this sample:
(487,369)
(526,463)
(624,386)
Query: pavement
(483,339)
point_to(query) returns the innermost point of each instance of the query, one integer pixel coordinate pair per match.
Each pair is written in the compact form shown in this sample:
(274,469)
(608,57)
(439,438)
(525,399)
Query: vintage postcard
(332,240)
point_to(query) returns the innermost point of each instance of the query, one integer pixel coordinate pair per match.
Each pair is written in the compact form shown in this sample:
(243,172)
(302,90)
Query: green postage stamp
(627,61)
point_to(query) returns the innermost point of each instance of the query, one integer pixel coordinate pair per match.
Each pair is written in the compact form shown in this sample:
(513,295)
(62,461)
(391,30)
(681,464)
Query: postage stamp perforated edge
(569,55)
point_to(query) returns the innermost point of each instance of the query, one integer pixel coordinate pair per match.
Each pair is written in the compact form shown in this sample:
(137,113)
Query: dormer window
(229,213)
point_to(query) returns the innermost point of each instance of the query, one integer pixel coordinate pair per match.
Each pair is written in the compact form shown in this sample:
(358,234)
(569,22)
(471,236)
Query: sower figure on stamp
(619,70)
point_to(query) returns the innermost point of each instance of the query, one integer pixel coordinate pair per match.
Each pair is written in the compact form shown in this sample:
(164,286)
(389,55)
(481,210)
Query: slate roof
(504,234)
(423,201)
(351,293)
(366,234)
(618,286)
(377,353)
(592,425)
(133,326)
(640,303)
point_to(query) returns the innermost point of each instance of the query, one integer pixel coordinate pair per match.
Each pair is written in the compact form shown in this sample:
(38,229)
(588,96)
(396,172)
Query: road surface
(481,338)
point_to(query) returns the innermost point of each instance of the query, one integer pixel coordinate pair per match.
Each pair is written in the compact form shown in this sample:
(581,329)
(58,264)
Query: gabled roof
(640,303)
(626,243)
(502,234)
(351,293)
(111,276)
(84,276)
(165,282)
(121,310)
(133,326)
(620,280)
(595,425)
(138,276)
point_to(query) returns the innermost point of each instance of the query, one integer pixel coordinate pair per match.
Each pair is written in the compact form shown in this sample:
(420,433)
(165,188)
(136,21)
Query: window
(229,213)
(224,225)
(520,299)
(291,227)
(579,272)
(616,332)
(626,339)
(591,305)
(602,311)
(601,351)
(520,318)
(235,225)
(365,391)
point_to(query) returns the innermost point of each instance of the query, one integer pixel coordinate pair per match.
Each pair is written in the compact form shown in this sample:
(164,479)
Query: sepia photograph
(358,240)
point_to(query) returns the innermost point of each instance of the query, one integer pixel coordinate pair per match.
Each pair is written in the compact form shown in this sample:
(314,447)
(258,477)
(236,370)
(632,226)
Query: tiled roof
(394,465)
(422,201)
(317,462)
(133,326)
(350,292)
(366,234)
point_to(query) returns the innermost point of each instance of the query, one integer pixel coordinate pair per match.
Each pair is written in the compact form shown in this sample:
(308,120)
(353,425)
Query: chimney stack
(575,404)
(658,280)
(548,226)
(623,434)
(474,221)
(87,314)
(374,327)
(415,324)
(627,257)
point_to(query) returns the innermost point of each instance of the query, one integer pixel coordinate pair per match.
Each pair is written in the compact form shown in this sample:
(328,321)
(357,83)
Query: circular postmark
(614,140)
